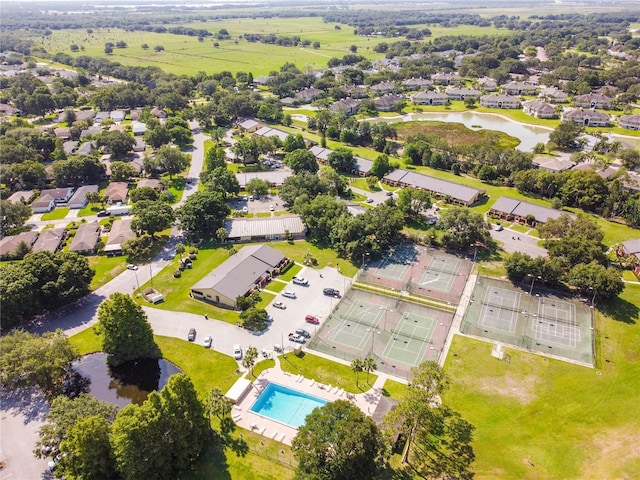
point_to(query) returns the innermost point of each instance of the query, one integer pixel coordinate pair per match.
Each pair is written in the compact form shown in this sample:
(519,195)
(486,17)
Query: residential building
(592,100)
(62,132)
(487,84)
(158,113)
(116,192)
(69,147)
(446,78)
(460,93)
(9,244)
(117,116)
(511,209)
(630,122)
(49,240)
(430,98)
(553,95)
(588,118)
(263,229)
(43,205)
(551,164)
(321,154)
(388,102)
(247,270)
(120,232)
(138,128)
(85,239)
(308,94)
(455,192)
(383,88)
(275,177)
(24,196)
(347,106)
(249,125)
(356,91)
(519,88)
(58,195)
(79,199)
(538,109)
(151,183)
(415,84)
(499,101)
(271,132)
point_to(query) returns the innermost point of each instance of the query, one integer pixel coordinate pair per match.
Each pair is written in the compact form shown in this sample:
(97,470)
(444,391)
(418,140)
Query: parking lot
(260,204)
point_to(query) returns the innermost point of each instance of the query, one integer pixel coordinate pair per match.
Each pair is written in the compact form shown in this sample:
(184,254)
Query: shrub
(177,274)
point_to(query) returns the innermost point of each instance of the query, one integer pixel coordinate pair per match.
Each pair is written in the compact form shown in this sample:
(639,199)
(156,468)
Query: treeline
(280,40)
(42,282)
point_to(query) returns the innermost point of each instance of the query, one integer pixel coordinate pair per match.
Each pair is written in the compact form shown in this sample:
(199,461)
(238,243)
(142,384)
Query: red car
(312,319)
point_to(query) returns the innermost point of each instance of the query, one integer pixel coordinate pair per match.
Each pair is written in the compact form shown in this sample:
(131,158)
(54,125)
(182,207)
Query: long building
(517,210)
(455,192)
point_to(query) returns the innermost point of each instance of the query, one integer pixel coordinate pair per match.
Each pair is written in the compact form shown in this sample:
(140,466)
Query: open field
(107,268)
(572,421)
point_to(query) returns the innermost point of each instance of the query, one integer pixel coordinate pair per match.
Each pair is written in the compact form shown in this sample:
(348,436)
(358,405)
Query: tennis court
(399,334)
(538,320)
(423,271)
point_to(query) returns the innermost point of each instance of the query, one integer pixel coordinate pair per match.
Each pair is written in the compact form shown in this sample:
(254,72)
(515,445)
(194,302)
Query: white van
(289,294)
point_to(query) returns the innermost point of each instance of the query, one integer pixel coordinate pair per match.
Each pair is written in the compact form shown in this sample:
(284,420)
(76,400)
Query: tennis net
(502,307)
(431,268)
(409,335)
(361,322)
(570,322)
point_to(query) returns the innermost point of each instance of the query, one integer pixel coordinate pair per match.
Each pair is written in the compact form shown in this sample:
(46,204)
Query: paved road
(378,197)
(526,243)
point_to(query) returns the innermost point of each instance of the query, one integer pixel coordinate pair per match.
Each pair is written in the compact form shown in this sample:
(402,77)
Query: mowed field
(543,418)
(186,55)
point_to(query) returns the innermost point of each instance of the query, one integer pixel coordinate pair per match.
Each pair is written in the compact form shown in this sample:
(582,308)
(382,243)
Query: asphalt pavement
(513,241)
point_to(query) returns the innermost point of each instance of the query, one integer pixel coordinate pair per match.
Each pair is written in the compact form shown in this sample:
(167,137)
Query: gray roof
(239,274)
(632,247)
(271,132)
(274,177)
(441,187)
(57,194)
(362,165)
(511,206)
(10,243)
(248,123)
(321,153)
(81,194)
(86,237)
(49,240)
(266,226)
(120,233)
(21,196)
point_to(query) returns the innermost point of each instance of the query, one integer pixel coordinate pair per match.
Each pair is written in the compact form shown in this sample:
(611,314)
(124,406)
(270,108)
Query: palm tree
(369,365)
(357,367)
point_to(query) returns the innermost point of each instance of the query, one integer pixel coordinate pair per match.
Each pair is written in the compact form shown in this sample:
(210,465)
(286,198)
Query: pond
(129,383)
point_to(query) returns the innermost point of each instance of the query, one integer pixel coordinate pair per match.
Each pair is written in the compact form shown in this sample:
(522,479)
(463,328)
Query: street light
(593,298)
(363,255)
(533,280)
(385,317)
(475,251)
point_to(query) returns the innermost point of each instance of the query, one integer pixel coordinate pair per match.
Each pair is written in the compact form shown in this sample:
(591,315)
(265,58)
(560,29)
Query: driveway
(513,241)
(260,204)
(378,197)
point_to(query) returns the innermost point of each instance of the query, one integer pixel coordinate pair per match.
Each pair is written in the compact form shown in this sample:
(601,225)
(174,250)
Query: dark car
(103,213)
(331,292)
(192,335)
(303,332)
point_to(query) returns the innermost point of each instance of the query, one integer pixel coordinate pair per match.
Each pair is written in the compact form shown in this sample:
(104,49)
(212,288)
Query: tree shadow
(237,445)
(621,310)
(212,462)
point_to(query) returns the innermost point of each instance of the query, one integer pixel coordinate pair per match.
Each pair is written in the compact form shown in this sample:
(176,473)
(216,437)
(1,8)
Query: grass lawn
(393,389)
(290,273)
(572,421)
(519,228)
(326,371)
(176,186)
(90,210)
(276,285)
(107,268)
(629,275)
(56,214)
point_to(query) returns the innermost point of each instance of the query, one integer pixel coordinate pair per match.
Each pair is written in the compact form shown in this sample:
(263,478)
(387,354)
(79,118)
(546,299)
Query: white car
(131,266)
(289,294)
(300,281)
(237,352)
(271,208)
(207,341)
(279,305)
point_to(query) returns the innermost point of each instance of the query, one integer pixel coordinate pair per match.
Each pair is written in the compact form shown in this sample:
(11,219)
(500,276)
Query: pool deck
(243,417)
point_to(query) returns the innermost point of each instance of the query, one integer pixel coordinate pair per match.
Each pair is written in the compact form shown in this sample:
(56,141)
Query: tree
(218,404)
(337,442)
(369,365)
(301,160)
(249,359)
(254,319)
(44,361)
(565,135)
(125,330)
(157,136)
(381,166)
(86,452)
(180,249)
(463,228)
(202,214)
(222,180)
(79,170)
(222,234)
(246,149)
(172,160)
(214,158)
(143,193)
(439,441)
(293,142)
(152,216)
(341,159)
(412,201)
(304,184)
(257,187)
(139,248)
(64,414)
(13,215)
(93,197)
(595,279)
(116,142)
(122,171)
(357,366)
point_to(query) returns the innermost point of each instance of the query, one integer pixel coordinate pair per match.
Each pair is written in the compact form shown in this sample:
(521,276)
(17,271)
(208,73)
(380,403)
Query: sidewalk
(457,319)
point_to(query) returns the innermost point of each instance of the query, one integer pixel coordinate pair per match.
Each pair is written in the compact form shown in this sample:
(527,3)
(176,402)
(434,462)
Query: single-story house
(138,128)
(140,145)
(271,132)
(116,127)
(151,183)
(158,113)
(414,84)
(631,122)
(347,106)
(135,114)
(446,78)
(62,132)
(321,154)
(511,209)
(69,146)
(59,195)
(553,95)
(24,196)
(260,80)
(92,130)
(249,269)
(588,118)
(519,88)
(101,117)
(43,205)
(249,125)
(356,91)
(79,199)
(116,192)
(457,193)
(362,166)
(85,239)
(538,109)
(460,93)
(49,240)
(120,232)
(8,245)
(275,177)
(553,165)
(308,94)
(264,228)
(117,116)
(430,98)
(499,101)
(487,84)
(387,102)
(592,100)
(383,88)
(6,109)
(630,247)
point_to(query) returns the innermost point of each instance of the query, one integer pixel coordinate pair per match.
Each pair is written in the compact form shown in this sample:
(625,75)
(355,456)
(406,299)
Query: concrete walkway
(459,315)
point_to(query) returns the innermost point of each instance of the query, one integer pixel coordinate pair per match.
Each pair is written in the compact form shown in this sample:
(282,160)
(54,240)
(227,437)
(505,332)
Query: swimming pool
(285,405)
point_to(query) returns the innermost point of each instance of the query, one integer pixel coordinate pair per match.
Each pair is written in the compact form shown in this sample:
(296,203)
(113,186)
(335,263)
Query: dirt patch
(521,389)
(616,453)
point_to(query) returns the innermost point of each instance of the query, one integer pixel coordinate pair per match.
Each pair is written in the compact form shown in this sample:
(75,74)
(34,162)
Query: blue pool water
(285,405)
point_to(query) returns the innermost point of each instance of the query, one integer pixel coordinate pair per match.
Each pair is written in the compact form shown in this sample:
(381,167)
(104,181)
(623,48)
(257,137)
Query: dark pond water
(129,383)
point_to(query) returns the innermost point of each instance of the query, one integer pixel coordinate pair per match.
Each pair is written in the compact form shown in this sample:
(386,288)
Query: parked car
(192,334)
(300,281)
(289,294)
(271,208)
(279,305)
(369,200)
(237,352)
(389,194)
(103,213)
(498,228)
(295,337)
(312,319)
(303,332)
(207,341)
(331,292)
(131,266)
